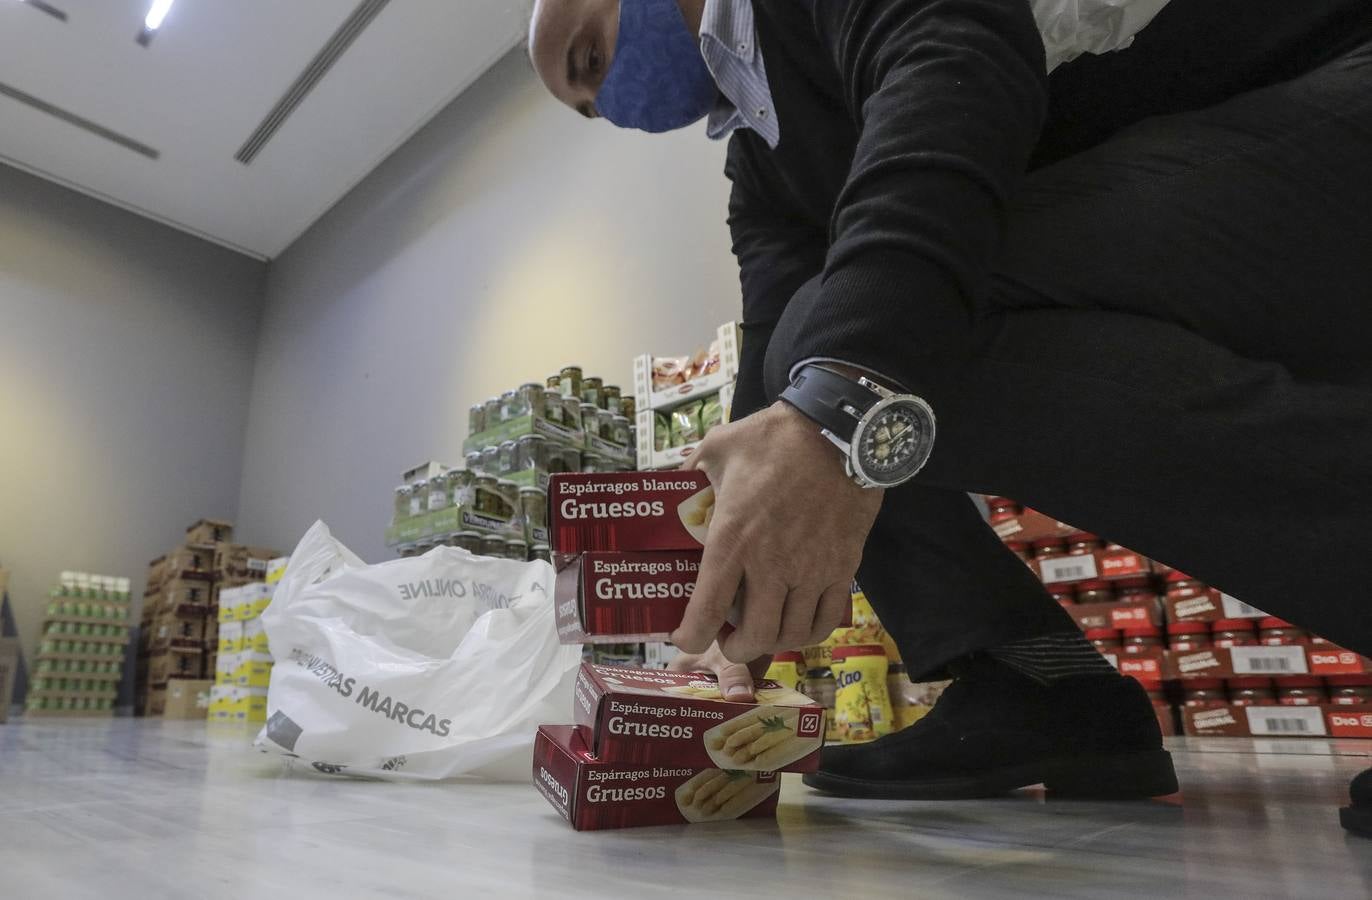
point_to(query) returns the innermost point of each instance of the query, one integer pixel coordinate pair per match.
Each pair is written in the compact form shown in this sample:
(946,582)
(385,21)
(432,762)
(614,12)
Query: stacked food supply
(179,633)
(680,398)
(651,747)
(243,668)
(858,676)
(81,652)
(1213,664)
(495,503)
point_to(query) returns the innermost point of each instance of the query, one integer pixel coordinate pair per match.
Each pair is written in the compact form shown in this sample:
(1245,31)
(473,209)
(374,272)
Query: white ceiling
(209,76)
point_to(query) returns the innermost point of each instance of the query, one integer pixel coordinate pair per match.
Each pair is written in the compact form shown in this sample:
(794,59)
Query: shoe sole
(1357,819)
(1124,776)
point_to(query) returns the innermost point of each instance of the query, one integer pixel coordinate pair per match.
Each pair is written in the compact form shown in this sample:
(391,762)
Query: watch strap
(823,395)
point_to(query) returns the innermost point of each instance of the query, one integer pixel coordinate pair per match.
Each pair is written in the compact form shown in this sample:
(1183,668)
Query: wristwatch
(885,437)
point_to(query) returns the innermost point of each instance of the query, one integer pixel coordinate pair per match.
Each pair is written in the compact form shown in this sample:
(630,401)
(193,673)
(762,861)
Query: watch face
(894,440)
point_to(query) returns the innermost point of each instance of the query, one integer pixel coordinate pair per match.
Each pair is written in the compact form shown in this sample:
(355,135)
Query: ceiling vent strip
(81,122)
(47,8)
(323,61)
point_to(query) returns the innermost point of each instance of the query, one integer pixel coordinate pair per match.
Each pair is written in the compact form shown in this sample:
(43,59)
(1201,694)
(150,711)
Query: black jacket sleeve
(777,252)
(949,97)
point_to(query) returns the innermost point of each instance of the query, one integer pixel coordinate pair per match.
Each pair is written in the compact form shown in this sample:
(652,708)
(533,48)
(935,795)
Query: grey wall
(506,239)
(126,353)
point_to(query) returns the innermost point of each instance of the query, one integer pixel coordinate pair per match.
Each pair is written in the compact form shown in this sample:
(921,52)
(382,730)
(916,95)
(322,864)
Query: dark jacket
(906,126)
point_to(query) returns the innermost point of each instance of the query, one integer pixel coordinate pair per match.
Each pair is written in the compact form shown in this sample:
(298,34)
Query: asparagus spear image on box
(762,739)
(696,511)
(717,794)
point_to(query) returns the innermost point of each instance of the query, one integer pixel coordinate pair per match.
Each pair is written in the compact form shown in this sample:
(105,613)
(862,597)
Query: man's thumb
(735,681)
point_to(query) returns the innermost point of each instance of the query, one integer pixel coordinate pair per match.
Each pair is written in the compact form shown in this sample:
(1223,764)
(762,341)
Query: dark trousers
(1177,355)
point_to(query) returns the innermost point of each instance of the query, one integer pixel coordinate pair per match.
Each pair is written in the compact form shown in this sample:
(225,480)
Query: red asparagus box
(593,794)
(629,511)
(620,596)
(645,717)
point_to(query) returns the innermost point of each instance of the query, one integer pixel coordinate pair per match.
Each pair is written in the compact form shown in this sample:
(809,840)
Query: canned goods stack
(569,423)
(480,512)
(1212,664)
(495,504)
(681,398)
(81,652)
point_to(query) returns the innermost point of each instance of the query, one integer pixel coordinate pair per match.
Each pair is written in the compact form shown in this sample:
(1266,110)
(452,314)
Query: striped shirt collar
(728,41)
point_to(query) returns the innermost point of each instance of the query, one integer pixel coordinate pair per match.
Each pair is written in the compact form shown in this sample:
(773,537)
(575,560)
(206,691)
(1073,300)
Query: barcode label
(1237,609)
(1068,568)
(1285,720)
(1268,660)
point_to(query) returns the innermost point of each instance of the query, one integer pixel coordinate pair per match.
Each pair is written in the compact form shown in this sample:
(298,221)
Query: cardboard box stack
(243,667)
(179,636)
(81,649)
(1213,664)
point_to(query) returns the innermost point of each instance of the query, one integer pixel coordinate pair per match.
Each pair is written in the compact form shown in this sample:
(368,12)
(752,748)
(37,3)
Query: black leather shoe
(995,730)
(1357,817)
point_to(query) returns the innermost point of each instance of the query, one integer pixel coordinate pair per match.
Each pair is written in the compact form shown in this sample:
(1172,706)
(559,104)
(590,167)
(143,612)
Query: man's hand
(787,536)
(735,679)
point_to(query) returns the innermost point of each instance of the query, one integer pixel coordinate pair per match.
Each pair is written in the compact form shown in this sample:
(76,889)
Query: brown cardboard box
(183,627)
(209,531)
(157,570)
(9,667)
(242,561)
(187,589)
(175,662)
(187,698)
(190,558)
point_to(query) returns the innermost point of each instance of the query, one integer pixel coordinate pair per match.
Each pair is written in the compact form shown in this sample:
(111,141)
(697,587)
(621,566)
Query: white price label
(1268,660)
(1237,609)
(1068,568)
(1285,721)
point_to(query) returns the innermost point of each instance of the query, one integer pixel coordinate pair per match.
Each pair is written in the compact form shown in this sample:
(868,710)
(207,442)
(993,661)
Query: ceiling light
(159,11)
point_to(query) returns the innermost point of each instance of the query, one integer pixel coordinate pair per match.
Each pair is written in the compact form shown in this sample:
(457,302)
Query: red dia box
(629,511)
(593,794)
(645,717)
(616,596)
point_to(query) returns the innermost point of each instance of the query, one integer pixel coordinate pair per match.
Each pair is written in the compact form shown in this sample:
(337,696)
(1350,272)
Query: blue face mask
(658,80)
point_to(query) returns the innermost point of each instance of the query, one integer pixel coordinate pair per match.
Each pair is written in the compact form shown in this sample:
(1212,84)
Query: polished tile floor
(137,808)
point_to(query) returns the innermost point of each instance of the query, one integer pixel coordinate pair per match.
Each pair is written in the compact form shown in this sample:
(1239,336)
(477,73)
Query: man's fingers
(798,618)
(757,633)
(837,599)
(721,571)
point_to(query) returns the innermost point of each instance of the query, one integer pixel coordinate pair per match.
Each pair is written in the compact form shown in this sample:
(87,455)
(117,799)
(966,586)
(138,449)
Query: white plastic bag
(1073,27)
(421,668)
